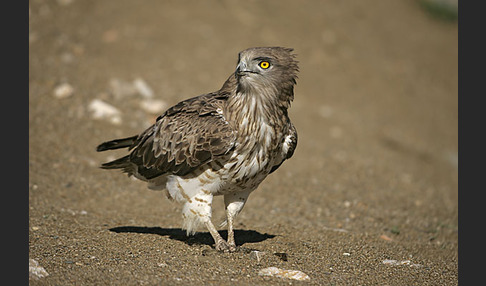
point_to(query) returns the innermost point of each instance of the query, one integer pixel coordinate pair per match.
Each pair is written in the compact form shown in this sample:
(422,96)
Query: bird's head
(273,67)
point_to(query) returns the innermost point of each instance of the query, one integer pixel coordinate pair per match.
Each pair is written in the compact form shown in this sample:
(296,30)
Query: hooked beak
(242,69)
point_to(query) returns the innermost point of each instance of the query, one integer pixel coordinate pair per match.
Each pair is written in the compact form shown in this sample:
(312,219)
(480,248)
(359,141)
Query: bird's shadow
(241,236)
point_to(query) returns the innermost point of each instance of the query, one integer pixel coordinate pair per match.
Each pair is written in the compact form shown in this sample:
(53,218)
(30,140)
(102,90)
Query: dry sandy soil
(369,198)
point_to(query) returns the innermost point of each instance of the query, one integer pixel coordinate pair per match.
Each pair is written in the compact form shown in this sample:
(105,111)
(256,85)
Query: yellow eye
(264,64)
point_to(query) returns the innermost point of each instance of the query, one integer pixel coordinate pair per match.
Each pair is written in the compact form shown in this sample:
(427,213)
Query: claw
(224,246)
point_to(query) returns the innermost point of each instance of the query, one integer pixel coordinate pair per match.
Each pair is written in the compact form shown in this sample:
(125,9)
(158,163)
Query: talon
(224,246)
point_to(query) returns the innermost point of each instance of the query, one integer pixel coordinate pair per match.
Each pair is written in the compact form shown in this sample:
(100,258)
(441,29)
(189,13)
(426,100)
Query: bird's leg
(234,203)
(220,243)
(231,234)
(197,209)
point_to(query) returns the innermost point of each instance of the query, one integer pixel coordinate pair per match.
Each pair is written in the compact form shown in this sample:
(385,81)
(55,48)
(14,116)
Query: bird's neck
(256,112)
(248,109)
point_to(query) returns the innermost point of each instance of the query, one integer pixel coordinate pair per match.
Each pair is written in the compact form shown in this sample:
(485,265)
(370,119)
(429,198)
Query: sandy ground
(369,198)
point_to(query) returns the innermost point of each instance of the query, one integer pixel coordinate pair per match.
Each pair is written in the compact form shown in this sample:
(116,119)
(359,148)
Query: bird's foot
(232,247)
(223,246)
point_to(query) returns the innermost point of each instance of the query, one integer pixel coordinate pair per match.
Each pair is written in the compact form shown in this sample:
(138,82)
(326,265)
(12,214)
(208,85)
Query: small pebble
(284,273)
(143,88)
(255,254)
(110,36)
(103,110)
(153,106)
(67,58)
(282,255)
(386,237)
(121,88)
(63,90)
(35,270)
(402,262)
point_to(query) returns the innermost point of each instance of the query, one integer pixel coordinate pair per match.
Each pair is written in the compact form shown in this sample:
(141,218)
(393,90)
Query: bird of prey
(221,143)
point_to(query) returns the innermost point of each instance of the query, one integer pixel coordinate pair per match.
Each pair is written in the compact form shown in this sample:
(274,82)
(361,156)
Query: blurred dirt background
(370,196)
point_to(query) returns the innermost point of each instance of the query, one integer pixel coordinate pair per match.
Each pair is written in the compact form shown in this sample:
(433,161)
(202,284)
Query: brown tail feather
(120,163)
(116,144)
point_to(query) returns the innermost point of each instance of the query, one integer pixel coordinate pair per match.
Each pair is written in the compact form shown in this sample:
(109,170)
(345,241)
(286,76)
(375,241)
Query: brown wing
(186,136)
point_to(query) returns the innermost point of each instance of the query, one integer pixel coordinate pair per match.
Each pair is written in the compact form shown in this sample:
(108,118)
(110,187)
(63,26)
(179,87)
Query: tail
(123,162)
(116,144)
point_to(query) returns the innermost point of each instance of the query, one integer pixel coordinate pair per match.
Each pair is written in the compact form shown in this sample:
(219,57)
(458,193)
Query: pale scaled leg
(197,210)
(220,243)
(234,203)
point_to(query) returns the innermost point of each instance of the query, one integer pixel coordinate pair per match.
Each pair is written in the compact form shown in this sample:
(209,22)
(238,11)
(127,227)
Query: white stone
(102,110)
(256,255)
(143,88)
(153,106)
(35,270)
(63,90)
(398,262)
(284,273)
